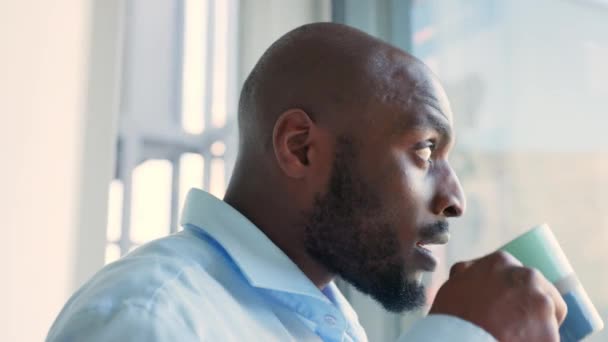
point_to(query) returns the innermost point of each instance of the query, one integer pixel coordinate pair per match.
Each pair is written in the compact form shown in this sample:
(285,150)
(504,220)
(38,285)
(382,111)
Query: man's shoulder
(178,273)
(168,271)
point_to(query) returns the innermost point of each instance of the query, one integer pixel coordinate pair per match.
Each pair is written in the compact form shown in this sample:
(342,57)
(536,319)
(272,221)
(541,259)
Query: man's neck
(281,223)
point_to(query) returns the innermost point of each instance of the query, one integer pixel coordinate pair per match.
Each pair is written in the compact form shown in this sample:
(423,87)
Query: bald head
(343,161)
(330,71)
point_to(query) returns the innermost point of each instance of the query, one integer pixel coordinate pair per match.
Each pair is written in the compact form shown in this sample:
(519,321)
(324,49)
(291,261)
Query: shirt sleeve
(130,323)
(440,328)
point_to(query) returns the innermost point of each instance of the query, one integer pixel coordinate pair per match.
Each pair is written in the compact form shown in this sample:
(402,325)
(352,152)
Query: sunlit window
(220,58)
(218,183)
(113,231)
(194,66)
(191,174)
(114,211)
(112,252)
(159,161)
(150,202)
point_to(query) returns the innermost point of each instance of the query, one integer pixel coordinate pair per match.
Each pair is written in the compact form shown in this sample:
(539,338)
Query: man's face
(389,194)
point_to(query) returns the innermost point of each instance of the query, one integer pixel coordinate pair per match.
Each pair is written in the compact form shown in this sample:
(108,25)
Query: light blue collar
(262,263)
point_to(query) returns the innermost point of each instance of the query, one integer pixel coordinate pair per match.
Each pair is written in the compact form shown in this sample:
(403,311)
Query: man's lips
(437,239)
(436,234)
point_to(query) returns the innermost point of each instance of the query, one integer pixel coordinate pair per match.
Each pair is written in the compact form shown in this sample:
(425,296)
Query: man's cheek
(407,240)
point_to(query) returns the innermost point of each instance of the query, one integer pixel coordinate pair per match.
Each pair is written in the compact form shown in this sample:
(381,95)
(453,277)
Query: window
(177,121)
(526,90)
(527,82)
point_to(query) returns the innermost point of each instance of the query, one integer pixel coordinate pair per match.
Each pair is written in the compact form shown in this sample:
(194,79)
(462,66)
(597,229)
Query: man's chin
(411,298)
(398,295)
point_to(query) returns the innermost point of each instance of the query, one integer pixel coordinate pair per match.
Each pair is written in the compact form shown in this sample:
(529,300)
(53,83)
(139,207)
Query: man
(342,171)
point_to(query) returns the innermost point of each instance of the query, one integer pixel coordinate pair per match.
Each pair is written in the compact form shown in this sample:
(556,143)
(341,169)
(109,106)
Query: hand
(498,294)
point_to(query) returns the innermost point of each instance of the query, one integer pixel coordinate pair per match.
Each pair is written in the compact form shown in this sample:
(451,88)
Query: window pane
(112,252)
(217,186)
(133,247)
(113,231)
(532,146)
(193,72)
(220,56)
(191,175)
(150,212)
(218,148)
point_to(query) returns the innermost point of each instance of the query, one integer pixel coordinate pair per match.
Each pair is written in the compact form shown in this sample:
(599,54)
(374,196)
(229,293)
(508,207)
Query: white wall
(98,135)
(44,102)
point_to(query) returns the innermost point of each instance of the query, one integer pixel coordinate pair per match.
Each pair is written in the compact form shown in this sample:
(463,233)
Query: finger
(552,333)
(561,309)
(460,267)
(497,259)
(559,305)
(502,259)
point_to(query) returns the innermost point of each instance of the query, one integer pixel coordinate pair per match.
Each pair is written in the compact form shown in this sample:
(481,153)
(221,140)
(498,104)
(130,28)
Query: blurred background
(112,109)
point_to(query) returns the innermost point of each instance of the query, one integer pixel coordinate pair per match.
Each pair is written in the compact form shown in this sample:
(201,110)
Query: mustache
(431,230)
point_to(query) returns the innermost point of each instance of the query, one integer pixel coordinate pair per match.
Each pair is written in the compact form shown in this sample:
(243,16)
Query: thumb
(460,267)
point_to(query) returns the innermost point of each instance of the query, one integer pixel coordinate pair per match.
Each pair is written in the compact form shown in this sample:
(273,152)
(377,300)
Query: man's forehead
(405,87)
(402,80)
(431,94)
(421,103)
(424,116)
(426,107)
(436,96)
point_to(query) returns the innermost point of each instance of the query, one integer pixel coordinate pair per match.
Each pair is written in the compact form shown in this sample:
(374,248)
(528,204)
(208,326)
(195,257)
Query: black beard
(348,233)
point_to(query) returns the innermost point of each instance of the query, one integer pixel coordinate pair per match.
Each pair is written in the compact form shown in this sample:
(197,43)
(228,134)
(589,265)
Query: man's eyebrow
(440,124)
(432,120)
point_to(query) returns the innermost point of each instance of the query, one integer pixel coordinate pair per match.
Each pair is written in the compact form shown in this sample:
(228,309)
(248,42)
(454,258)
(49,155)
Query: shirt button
(329,320)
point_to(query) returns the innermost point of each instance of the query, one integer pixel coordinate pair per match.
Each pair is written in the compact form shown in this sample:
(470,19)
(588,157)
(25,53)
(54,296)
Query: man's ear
(291,139)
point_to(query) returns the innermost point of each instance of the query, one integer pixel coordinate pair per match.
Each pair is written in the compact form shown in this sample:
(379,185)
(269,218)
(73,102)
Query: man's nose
(449,198)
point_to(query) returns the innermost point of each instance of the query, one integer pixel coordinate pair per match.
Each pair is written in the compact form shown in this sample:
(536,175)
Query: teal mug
(538,248)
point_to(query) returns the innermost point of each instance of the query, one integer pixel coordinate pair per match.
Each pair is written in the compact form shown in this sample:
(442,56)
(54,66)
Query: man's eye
(425,153)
